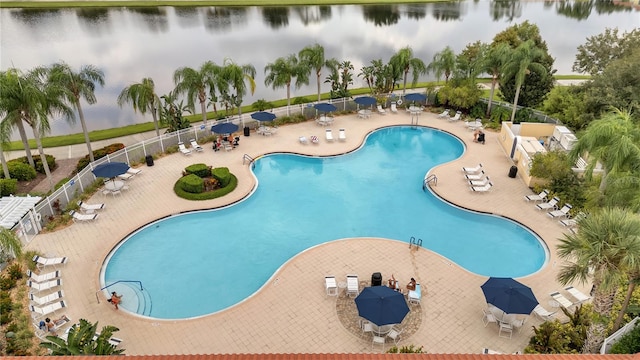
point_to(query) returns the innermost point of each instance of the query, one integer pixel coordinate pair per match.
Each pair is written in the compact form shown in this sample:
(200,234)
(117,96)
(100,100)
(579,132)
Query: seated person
(412,284)
(115,299)
(480,138)
(50,326)
(393,283)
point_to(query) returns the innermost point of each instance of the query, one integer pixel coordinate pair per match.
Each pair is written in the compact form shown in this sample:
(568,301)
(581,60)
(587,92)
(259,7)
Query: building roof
(347,357)
(14,208)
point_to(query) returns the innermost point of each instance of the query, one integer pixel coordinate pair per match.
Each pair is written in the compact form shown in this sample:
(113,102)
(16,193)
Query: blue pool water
(202,262)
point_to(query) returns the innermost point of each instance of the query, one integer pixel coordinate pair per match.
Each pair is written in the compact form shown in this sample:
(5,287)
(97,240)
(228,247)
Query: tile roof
(346,357)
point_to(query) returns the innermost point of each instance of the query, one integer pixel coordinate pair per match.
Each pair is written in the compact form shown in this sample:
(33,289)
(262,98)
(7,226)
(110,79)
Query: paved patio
(291,313)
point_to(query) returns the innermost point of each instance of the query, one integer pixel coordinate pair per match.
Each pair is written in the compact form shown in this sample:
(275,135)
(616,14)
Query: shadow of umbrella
(509,295)
(381,305)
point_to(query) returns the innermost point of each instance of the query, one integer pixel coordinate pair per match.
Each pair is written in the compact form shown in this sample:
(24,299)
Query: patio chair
(377,340)
(551,204)
(84,217)
(394,109)
(482,182)
(46,299)
(543,313)
(42,311)
(444,114)
(43,277)
(133,171)
(90,208)
(564,212)
(330,285)
(505,329)
(577,294)
(537,197)
(183,149)
(328,135)
(484,188)
(488,318)
(394,335)
(43,261)
(472,170)
(477,176)
(195,145)
(341,135)
(353,285)
(456,117)
(366,326)
(126,176)
(44,285)
(381,111)
(563,301)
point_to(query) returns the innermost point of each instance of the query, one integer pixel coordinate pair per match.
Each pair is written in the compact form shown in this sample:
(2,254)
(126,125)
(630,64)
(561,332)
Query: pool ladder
(428,180)
(416,242)
(248,158)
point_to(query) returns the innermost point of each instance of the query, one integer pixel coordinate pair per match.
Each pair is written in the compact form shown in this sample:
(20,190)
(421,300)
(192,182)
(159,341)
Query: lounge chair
(41,311)
(381,111)
(113,340)
(314,139)
(394,109)
(353,285)
(415,296)
(126,176)
(43,277)
(84,217)
(572,222)
(477,183)
(563,301)
(444,114)
(538,197)
(42,331)
(46,299)
(90,208)
(551,204)
(477,176)
(328,135)
(43,261)
(44,285)
(543,313)
(484,188)
(183,149)
(456,117)
(195,145)
(303,140)
(341,135)
(577,294)
(564,212)
(472,170)
(473,125)
(133,171)
(330,285)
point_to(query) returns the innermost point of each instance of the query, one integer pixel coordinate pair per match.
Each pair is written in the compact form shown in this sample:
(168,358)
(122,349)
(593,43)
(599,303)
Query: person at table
(412,284)
(393,283)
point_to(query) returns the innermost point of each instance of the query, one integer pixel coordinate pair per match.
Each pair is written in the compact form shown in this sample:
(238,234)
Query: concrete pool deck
(291,313)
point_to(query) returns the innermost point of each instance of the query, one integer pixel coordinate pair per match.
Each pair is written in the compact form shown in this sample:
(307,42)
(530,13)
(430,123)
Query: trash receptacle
(149,160)
(376,279)
(513,171)
(246,131)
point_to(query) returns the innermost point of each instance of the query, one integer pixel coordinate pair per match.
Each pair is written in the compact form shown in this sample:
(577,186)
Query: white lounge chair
(543,313)
(577,294)
(473,125)
(353,285)
(563,301)
(328,135)
(472,170)
(46,299)
(41,311)
(478,183)
(44,285)
(572,222)
(43,261)
(303,140)
(444,114)
(126,176)
(341,135)
(133,171)
(90,208)
(537,197)
(42,331)
(477,176)
(83,217)
(43,277)
(551,204)
(415,296)
(394,109)
(330,285)
(456,117)
(195,145)
(381,111)
(564,212)
(183,149)
(484,188)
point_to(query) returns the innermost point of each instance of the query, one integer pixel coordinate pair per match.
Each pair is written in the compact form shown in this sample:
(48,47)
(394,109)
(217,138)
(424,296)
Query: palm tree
(313,59)
(443,62)
(522,61)
(236,77)
(605,249)
(80,85)
(82,340)
(614,141)
(492,65)
(142,96)
(10,243)
(281,72)
(404,61)
(196,84)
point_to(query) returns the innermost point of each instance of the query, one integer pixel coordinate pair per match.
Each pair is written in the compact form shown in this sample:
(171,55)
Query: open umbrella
(365,100)
(224,128)
(509,295)
(381,305)
(325,107)
(415,97)
(263,116)
(110,169)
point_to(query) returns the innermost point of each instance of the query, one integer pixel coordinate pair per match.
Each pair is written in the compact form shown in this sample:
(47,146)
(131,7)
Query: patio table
(114,185)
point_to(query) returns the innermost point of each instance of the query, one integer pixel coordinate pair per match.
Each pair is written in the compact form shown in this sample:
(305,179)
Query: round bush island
(201,182)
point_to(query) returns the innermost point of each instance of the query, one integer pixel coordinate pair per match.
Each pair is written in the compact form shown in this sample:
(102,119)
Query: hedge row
(36,160)
(8,187)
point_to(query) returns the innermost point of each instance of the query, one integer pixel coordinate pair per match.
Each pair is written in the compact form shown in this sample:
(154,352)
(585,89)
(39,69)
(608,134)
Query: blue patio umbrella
(381,305)
(224,128)
(325,107)
(365,100)
(263,116)
(509,295)
(110,169)
(416,97)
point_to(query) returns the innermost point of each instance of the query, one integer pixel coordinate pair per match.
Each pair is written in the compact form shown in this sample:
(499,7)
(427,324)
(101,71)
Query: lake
(129,44)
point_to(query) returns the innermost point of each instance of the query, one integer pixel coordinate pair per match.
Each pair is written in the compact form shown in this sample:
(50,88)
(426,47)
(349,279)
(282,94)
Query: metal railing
(538,115)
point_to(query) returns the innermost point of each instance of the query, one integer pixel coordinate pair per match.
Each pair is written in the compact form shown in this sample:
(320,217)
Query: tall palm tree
(404,61)
(282,72)
(614,141)
(142,96)
(605,248)
(313,59)
(522,61)
(196,84)
(493,63)
(236,77)
(81,85)
(444,63)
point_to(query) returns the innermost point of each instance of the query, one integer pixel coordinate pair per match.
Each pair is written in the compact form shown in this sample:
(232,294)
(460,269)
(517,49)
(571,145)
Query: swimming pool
(202,262)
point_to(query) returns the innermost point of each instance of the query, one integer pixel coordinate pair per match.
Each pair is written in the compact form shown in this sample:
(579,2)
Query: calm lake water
(130,44)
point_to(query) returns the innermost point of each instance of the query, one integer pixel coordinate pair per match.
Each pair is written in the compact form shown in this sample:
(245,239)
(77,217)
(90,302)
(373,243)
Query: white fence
(608,342)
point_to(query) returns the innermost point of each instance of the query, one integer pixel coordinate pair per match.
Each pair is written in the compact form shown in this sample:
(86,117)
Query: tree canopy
(600,50)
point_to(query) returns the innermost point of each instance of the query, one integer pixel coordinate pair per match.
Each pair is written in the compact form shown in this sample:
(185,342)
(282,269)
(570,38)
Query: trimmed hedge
(8,187)
(223,175)
(233,183)
(192,183)
(36,160)
(21,171)
(201,170)
(97,154)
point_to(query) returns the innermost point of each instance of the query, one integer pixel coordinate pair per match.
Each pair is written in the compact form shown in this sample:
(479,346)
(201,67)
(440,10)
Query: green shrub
(7,283)
(478,110)
(38,163)
(97,154)
(192,184)
(201,170)
(223,175)
(523,115)
(21,171)
(15,271)
(8,187)
(629,343)
(233,183)
(171,149)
